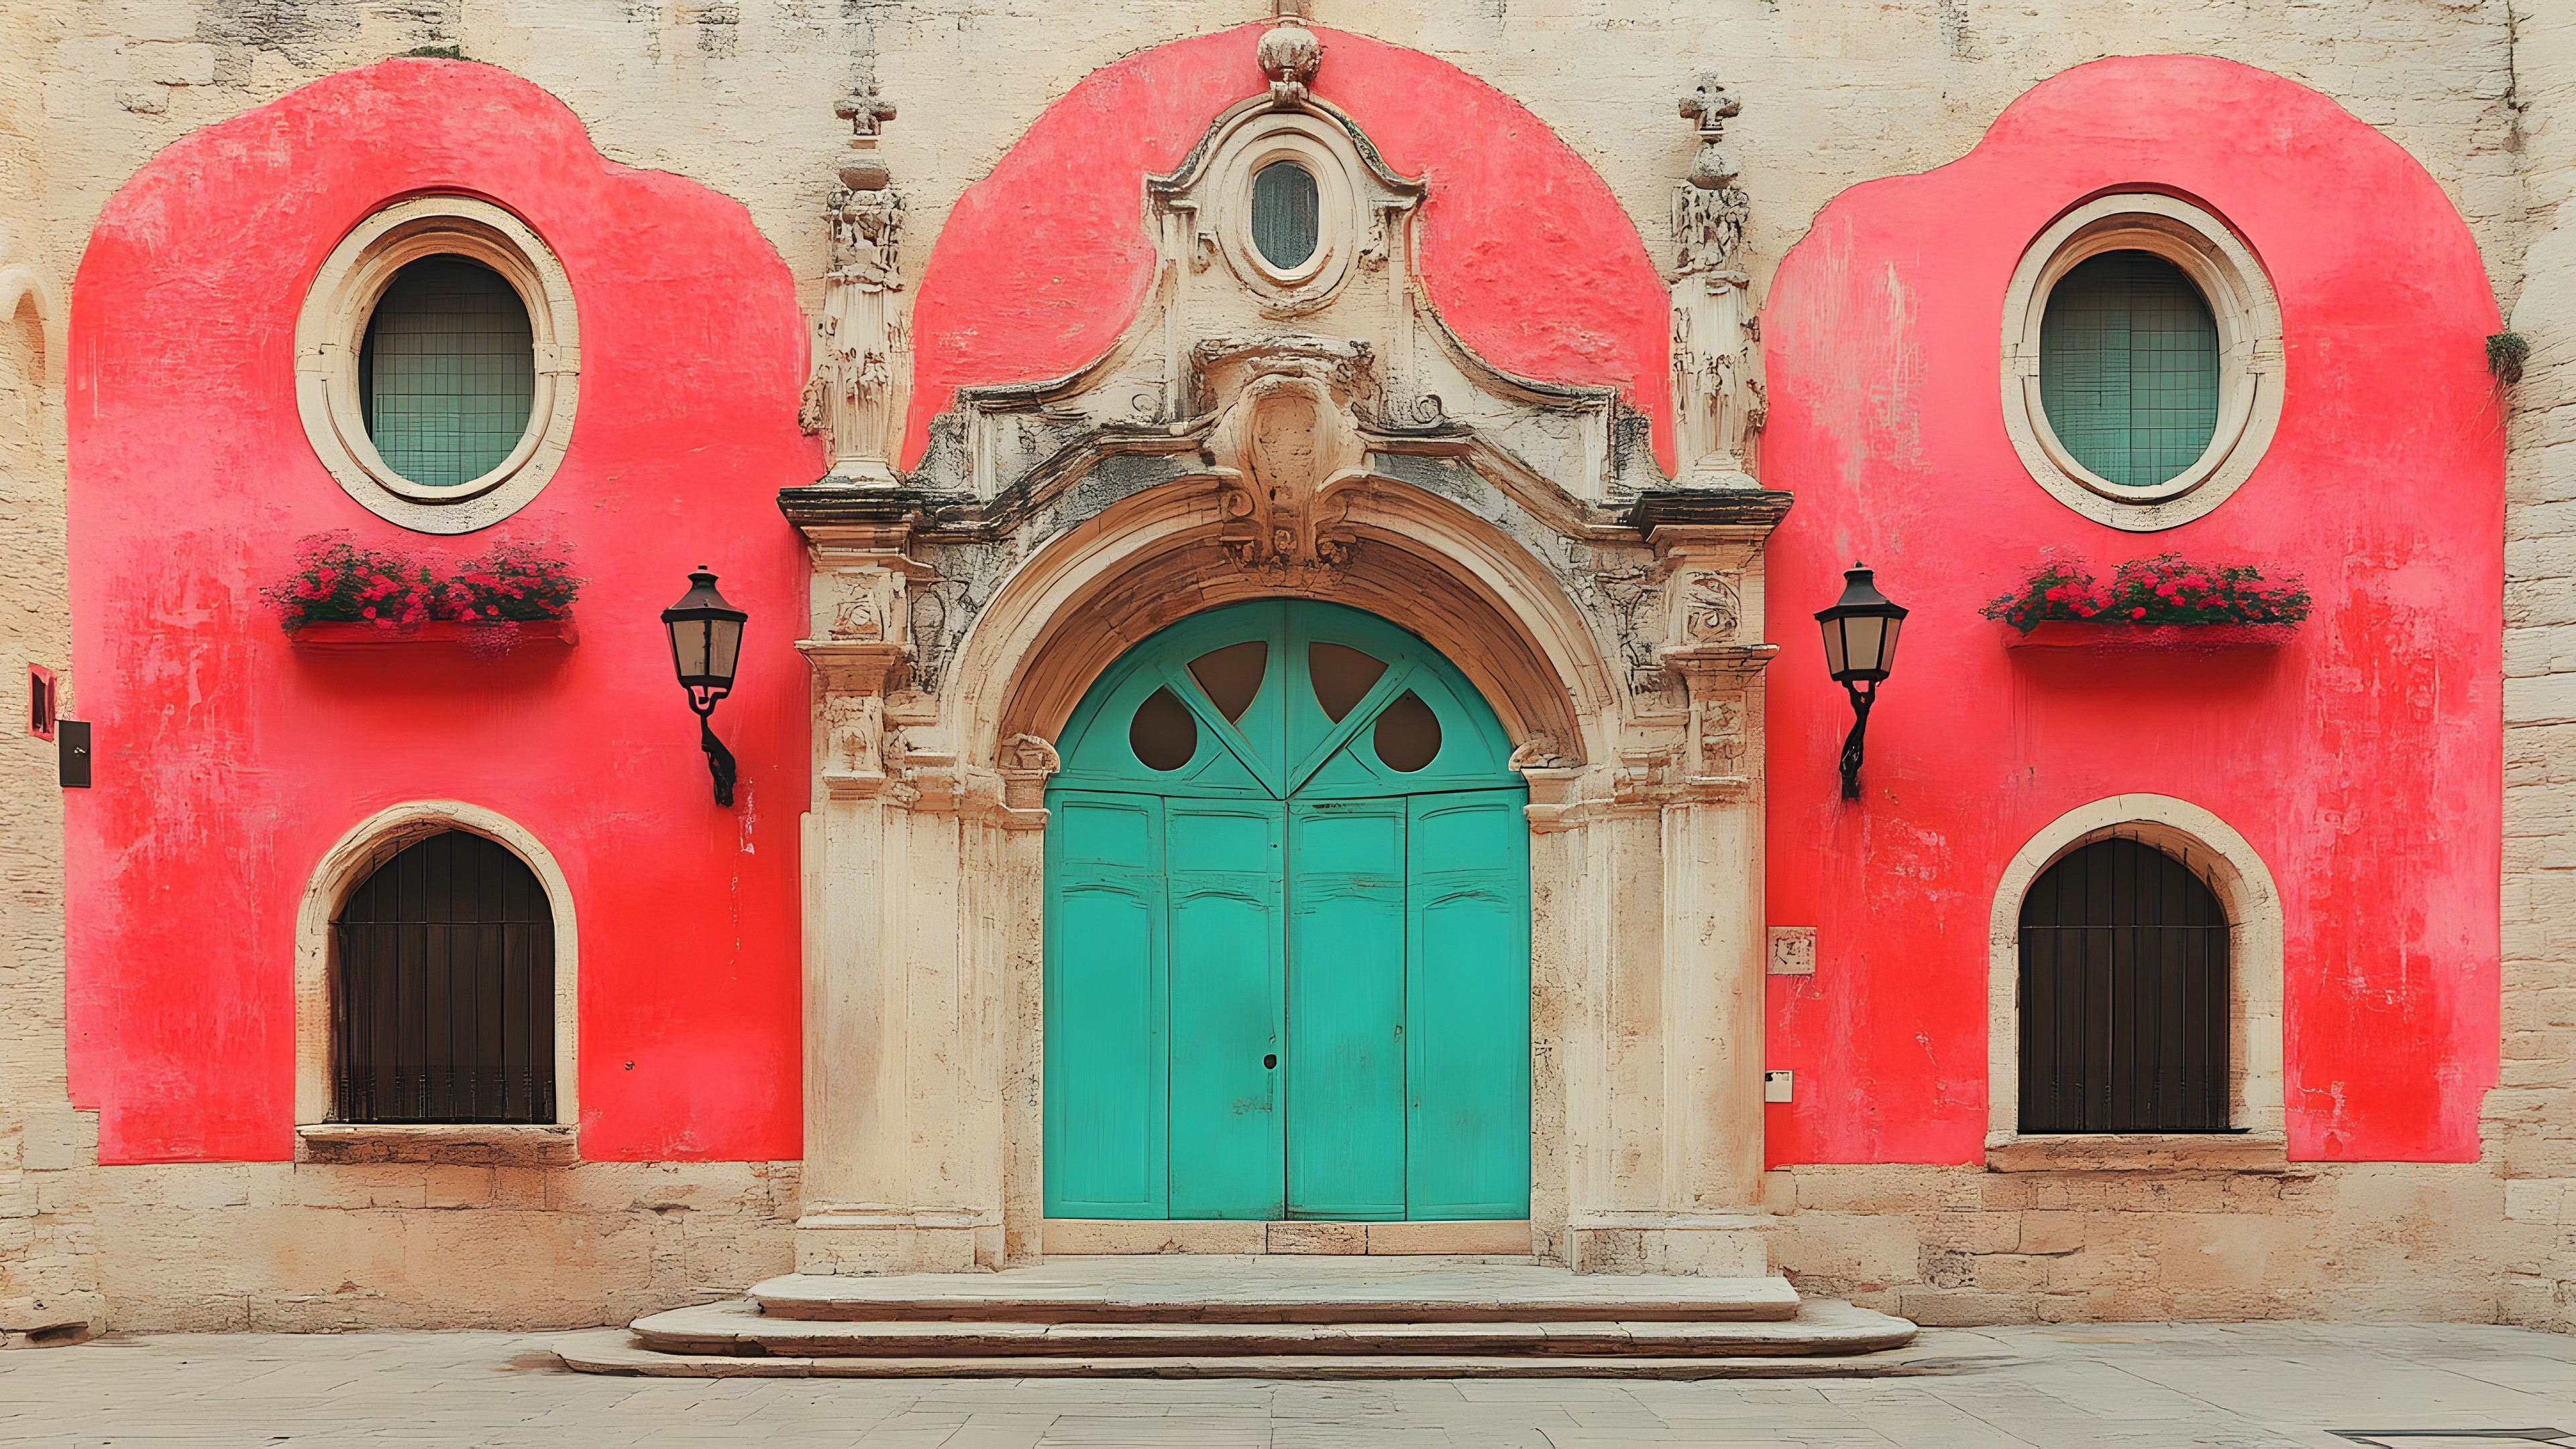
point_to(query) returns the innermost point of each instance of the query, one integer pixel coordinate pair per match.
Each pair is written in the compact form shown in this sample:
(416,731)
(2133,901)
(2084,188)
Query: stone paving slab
(2250,1386)
(1210,1288)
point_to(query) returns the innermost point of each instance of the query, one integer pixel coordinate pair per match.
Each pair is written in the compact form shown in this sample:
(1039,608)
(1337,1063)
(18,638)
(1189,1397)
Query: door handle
(1270,1061)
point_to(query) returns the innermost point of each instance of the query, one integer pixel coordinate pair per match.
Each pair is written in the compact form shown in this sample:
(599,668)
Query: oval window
(447,371)
(1287,214)
(2128,367)
(1408,734)
(1164,734)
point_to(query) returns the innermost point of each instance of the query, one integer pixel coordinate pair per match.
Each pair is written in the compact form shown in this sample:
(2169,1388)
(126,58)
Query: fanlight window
(1232,675)
(1408,734)
(2128,367)
(442,998)
(2125,1006)
(1343,677)
(1164,734)
(1287,214)
(447,372)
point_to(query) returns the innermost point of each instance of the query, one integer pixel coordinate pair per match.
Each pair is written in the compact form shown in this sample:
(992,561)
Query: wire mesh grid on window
(1287,213)
(442,1007)
(2128,367)
(2124,995)
(447,372)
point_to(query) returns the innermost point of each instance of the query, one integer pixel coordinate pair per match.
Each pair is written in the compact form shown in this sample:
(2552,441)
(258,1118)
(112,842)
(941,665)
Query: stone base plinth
(862,1241)
(1689,1245)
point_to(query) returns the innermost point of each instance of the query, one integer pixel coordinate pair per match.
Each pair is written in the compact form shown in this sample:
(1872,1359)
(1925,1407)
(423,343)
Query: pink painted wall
(2363,762)
(1044,263)
(227,763)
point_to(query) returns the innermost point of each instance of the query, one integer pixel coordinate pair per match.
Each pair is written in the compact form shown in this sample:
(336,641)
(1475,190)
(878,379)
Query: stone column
(1681,1053)
(900,1170)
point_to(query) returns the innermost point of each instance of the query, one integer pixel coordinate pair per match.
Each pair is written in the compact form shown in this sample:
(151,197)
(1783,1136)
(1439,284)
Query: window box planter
(497,637)
(2149,638)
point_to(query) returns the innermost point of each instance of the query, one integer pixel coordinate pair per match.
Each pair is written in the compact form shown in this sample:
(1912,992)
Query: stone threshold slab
(1185,1288)
(613,1351)
(1506,1239)
(739,1328)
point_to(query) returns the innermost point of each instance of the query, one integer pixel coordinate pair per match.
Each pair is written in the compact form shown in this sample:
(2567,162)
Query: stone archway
(925,861)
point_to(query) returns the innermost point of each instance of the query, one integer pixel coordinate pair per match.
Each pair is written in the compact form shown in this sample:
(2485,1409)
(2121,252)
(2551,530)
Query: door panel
(1106,1138)
(1345,1057)
(1467,1138)
(1227,989)
(1288,889)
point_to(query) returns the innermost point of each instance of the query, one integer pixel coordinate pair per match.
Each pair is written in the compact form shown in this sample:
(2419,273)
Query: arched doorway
(1286,931)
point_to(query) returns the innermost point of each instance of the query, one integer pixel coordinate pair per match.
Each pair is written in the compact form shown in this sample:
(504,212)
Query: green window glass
(1287,213)
(447,371)
(2128,367)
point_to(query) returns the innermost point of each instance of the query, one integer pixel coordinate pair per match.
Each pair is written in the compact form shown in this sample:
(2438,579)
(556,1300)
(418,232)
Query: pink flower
(2137,613)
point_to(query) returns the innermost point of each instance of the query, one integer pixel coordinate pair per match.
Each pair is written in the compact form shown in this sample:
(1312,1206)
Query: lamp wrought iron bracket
(1861,699)
(720,761)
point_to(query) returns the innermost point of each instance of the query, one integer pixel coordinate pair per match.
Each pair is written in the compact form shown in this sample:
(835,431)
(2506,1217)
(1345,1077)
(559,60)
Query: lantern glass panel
(1834,653)
(1887,649)
(1864,640)
(724,646)
(689,648)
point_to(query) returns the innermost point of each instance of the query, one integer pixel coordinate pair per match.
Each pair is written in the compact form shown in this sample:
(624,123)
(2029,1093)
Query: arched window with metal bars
(2124,1003)
(442,1003)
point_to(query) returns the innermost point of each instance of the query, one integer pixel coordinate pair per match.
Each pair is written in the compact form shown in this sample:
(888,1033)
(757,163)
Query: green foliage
(2506,352)
(337,580)
(2159,590)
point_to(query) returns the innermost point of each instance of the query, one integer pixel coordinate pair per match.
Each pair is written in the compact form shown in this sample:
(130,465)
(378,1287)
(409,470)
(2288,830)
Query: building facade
(1279,709)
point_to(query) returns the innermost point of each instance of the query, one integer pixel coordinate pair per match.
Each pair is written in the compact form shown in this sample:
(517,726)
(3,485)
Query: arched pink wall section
(227,763)
(1044,263)
(2362,762)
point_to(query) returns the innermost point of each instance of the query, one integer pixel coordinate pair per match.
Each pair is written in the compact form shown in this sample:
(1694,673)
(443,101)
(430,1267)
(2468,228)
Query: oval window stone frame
(333,323)
(2251,355)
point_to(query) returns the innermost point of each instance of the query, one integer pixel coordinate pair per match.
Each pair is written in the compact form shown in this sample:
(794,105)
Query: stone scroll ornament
(862,341)
(1717,393)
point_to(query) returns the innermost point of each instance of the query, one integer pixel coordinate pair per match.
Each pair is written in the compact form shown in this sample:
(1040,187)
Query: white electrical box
(1776,1085)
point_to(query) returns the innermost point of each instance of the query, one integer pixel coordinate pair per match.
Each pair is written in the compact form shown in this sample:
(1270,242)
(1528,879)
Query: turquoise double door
(1287,931)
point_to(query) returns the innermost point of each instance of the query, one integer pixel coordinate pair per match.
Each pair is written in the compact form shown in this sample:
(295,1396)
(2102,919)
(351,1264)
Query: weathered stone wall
(738,96)
(235,1247)
(1962,1245)
(48,1263)
(2531,1117)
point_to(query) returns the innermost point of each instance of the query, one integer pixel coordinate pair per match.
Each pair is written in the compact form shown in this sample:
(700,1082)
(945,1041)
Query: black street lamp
(1860,645)
(706,640)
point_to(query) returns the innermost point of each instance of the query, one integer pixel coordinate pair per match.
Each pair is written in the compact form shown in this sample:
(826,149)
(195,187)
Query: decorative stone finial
(1709,105)
(1289,53)
(1717,388)
(854,397)
(865,111)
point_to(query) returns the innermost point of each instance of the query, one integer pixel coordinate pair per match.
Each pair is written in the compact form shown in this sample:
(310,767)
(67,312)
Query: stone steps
(740,1329)
(614,1351)
(1269,1317)
(1277,1289)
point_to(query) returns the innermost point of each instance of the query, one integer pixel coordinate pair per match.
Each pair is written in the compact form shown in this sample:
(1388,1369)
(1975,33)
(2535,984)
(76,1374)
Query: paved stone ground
(2229,1386)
